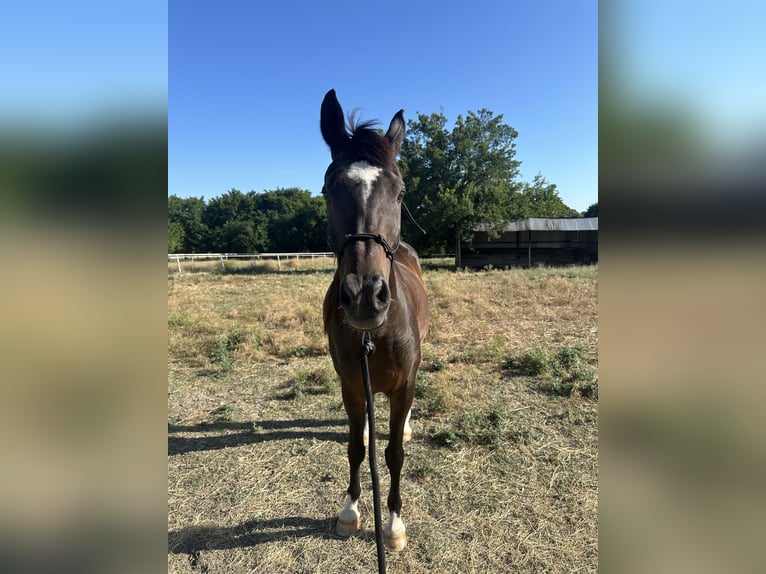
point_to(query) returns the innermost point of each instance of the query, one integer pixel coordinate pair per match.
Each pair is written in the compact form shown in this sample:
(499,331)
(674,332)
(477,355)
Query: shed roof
(550,224)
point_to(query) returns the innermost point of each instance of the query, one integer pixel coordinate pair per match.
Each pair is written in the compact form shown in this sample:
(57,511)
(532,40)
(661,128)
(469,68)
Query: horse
(377,291)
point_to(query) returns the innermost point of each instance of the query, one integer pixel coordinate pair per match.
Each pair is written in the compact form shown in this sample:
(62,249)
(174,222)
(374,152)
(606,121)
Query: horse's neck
(399,285)
(413,304)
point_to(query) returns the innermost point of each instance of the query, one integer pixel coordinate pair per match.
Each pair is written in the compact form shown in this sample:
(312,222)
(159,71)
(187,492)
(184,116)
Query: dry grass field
(501,474)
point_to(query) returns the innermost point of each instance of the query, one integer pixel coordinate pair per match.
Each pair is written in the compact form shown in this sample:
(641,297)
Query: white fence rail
(279,257)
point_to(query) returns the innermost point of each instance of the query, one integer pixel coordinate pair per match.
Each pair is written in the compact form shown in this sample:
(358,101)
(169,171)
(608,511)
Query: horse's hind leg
(394,534)
(349,519)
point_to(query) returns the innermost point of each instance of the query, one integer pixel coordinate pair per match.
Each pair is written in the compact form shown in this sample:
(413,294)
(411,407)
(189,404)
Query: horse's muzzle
(365,301)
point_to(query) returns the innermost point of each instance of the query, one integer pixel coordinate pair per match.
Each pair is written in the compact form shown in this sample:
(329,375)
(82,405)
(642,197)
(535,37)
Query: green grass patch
(491,352)
(479,427)
(223,414)
(434,394)
(534,362)
(565,372)
(319,381)
(225,345)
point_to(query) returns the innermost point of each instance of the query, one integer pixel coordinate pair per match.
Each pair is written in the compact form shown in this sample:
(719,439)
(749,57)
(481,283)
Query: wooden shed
(533,241)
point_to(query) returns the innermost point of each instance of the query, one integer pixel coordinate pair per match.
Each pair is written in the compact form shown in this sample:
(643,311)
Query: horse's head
(363,190)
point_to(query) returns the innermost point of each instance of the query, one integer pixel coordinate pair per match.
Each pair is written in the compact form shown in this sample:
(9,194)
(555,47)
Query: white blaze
(366,175)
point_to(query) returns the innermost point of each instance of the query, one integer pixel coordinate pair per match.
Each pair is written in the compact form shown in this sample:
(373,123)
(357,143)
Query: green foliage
(433,396)
(438,364)
(224,347)
(540,199)
(562,373)
(282,220)
(534,362)
(187,213)
(175,237)
(296,220)
(476,427)
(483,426)
(568,359)
(457,179)
(592,210)
(319,381)
(571,374)
(235,225)
(224,414)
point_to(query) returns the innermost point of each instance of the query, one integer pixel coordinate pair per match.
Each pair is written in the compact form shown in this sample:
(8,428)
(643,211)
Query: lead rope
(368,347)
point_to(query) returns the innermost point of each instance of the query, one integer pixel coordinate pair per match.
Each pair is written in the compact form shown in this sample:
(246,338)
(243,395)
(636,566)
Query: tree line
(455,180)
(282,220)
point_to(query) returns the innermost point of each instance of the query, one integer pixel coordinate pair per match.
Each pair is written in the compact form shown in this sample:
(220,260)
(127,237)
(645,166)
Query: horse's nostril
(384,294)
(364,296)
(349,290)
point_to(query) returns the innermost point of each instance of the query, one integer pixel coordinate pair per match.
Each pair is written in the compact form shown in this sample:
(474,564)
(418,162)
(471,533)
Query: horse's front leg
(349,519)
(394,534)
(407,436)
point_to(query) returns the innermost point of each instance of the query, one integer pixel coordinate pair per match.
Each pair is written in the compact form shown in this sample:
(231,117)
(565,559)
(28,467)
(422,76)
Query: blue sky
(246,80)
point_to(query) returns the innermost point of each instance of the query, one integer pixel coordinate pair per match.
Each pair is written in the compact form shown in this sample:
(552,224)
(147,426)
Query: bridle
(377,238)
(364,237)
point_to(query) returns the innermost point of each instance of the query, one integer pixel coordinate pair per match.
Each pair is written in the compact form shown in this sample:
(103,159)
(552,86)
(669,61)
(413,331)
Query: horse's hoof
(347,528)
(396,542)
(394,533)
(349,518)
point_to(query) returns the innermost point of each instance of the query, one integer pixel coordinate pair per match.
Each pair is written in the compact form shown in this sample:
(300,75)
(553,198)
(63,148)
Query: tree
(175,237)
(592,210)
(284,220)
(458,179)
(235,223)
(186,213)
(309,226)
(540,199)
(296,220)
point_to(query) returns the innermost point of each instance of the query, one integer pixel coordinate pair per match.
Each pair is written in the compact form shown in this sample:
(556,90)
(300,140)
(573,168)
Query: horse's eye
(400,197)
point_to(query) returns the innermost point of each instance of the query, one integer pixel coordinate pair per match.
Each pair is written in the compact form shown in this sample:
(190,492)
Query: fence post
(178,262)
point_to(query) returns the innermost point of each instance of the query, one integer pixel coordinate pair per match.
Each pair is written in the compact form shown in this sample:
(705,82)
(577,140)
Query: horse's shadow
(249,433)
(194,539)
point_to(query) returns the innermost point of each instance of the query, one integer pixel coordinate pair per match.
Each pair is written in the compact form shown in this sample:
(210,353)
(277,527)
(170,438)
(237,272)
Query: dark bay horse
(377,289)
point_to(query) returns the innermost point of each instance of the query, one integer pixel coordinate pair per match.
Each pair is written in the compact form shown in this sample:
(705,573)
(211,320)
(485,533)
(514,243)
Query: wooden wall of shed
(513,249)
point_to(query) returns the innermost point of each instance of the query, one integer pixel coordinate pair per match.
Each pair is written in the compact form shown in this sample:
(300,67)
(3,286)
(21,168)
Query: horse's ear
(332,123)
(395,133)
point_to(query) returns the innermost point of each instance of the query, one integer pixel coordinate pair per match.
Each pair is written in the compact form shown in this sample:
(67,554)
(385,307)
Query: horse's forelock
(367,143)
